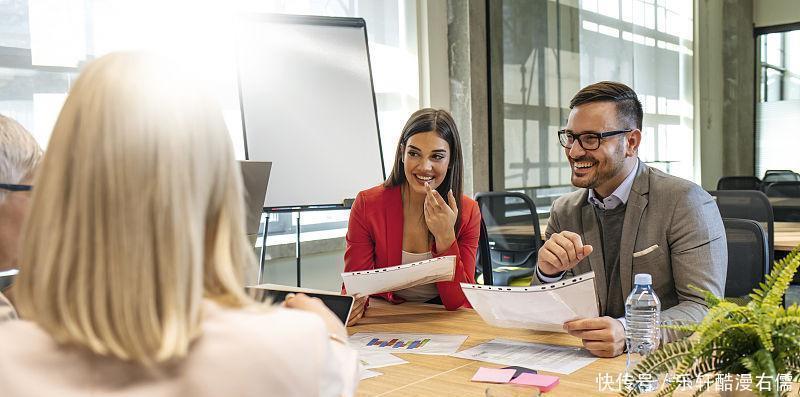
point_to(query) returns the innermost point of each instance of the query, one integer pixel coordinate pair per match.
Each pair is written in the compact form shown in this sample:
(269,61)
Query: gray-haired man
(19,154)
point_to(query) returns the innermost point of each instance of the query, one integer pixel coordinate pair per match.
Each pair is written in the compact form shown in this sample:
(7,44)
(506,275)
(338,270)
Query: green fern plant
(761,338)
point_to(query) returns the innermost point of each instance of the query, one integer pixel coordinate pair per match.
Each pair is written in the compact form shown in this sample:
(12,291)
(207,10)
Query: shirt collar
(618,197)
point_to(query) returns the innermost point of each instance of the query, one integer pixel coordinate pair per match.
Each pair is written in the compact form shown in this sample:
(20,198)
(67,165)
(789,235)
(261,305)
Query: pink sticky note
(493,375)
(543,382)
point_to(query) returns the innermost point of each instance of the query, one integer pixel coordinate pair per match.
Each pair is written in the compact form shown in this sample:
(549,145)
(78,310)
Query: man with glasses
(628,218)
(19,154)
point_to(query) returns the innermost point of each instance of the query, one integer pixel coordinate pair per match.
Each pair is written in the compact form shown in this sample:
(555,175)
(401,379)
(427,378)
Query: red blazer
(375,240)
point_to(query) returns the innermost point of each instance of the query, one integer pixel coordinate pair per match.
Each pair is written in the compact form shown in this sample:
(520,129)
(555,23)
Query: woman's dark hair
(442,123)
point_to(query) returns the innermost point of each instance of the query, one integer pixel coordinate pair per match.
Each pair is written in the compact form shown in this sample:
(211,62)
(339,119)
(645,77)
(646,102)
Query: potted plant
(758,341)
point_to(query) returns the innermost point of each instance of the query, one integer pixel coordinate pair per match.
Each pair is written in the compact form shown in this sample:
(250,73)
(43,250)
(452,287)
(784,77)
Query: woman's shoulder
(259,320)
(376,192)
(468,205)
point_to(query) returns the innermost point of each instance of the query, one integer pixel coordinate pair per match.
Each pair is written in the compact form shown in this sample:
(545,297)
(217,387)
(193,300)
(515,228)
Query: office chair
(484,261)
(748,258)
(785,199)
(748,204)
(513,235)
(783,189)
(739,183)
(780,176)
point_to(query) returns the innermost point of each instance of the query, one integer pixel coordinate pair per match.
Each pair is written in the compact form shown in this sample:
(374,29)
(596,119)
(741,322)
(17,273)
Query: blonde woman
(132,260)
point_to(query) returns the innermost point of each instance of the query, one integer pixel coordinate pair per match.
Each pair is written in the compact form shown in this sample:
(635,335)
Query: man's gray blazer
(676,216)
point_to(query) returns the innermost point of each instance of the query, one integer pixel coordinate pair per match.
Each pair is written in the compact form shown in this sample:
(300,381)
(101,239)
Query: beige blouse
(7,311)
(281,352)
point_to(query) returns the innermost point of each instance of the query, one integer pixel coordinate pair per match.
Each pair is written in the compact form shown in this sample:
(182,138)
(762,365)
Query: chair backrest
(780,176)
(513,236)
(748,259)
(484,257)
(782,189)
(748,204)
(739,183)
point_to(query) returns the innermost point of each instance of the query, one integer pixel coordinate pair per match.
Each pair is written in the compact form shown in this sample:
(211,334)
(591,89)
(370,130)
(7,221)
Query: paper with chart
(401,342)
(368,282)
(543,307)
(541,357)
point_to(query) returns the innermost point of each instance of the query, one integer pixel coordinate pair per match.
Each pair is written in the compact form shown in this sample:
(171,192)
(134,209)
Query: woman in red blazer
(414,214)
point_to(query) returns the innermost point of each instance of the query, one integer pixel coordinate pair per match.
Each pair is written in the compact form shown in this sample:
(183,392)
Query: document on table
(398,342)
(543,307)
(366,374)
(368,282)
(550,358)
(371,359)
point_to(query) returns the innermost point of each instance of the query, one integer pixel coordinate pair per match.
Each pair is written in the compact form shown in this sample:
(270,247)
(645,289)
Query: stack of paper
(551,358)
(368,282)
(538,307)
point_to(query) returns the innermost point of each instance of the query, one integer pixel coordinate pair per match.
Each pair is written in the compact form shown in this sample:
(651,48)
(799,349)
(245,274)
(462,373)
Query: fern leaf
(777,281)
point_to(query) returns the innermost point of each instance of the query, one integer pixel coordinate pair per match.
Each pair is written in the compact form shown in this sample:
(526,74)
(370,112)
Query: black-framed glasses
(587,140)
(15,188)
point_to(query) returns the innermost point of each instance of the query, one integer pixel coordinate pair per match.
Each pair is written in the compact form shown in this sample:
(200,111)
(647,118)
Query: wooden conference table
(427,375)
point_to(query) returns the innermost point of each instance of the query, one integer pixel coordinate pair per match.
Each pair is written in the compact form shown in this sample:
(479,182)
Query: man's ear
(633,139)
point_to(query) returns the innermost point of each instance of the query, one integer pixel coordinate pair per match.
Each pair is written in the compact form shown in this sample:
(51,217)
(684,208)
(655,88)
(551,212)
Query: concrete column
(469,94)
(725,89)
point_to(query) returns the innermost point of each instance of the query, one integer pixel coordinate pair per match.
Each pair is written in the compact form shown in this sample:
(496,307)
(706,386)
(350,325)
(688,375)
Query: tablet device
(340,305)
(7,278)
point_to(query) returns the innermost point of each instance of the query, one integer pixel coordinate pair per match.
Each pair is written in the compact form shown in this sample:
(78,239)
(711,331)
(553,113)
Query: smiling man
(628,218)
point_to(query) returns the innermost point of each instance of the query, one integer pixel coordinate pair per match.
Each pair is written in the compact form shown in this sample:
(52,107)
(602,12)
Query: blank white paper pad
(368,282)
(543,307)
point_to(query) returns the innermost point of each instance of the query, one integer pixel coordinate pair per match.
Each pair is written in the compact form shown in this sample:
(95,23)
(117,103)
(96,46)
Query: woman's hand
(359,308)
(440,217)
(314,305)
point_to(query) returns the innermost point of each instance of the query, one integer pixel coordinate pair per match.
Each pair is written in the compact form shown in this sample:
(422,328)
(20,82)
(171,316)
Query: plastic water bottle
(643,334)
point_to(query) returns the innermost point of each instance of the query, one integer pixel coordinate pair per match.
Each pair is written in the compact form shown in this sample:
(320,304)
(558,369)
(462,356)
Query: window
(552,49)
(778,106)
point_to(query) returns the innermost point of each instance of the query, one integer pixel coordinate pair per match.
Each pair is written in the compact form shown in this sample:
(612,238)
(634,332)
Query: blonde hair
(137,214)
(19,153)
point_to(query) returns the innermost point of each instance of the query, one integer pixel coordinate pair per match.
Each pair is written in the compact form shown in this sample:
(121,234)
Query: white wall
(775,12)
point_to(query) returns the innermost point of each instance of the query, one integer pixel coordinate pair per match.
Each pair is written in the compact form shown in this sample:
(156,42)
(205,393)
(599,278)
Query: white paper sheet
(543,307)
(366,374)
(368,282)
(400,342)
(550,358)
(371,359)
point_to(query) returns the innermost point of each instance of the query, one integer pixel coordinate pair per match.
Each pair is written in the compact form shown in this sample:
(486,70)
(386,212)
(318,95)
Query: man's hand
(359,308)
(602,336)
(561,252)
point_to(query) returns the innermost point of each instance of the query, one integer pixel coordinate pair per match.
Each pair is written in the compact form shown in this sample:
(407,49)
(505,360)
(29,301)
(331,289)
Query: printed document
(401,342)
(550,358)
(543,307)
(377,359)
(368,282)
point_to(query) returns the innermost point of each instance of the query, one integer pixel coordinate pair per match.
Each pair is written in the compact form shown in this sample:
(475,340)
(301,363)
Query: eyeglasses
(15,188)
(587,140)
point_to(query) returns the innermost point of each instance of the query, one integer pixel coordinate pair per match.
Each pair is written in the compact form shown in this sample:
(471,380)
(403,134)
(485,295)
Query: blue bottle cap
(643,279)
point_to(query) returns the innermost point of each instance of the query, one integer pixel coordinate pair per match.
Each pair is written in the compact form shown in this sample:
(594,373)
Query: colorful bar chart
(396,343)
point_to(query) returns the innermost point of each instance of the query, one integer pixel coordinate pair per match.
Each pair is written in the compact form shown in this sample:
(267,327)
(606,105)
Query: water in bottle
(642,334)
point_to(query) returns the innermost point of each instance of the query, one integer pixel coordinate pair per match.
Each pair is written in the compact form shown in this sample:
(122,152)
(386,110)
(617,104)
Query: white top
(420,293)
(242,352)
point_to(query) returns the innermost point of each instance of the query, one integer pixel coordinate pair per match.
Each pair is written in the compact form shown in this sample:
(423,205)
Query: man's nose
(576,151)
